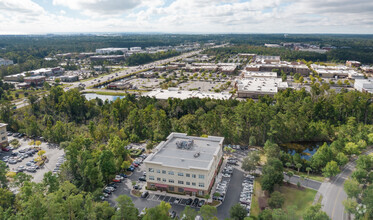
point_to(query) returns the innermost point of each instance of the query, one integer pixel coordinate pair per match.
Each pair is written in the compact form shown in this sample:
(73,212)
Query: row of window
(200,176)
(179,181)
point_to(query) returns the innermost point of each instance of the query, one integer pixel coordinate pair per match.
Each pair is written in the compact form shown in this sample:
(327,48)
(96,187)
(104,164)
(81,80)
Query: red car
(135,165)
(6,149)
(116,180)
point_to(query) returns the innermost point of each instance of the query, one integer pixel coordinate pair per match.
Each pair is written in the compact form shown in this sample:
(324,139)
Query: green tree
(237,212)
(126,209)
(331,169)
(107,165)
(188,213)
(159,212)
(208,212)
(51,182)
(271,149)
(342,159)
(6,198)
(3,171)
(308,169)
(314,213)
(20,178)
(272,175)
(298,166)
(276,200)
(352,188)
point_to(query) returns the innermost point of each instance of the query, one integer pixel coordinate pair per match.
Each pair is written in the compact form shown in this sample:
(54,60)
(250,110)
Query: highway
(115,75)
(333,192)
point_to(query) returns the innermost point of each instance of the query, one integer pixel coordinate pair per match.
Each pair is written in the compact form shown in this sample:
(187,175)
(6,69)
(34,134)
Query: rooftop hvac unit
(179,144)
(196,155)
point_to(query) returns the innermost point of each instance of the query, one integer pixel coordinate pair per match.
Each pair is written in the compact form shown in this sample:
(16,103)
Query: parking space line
(161,198)
(167,198)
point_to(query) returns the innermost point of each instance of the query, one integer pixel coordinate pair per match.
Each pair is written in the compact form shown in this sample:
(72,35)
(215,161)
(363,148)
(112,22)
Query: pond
(305,149)
(90,96)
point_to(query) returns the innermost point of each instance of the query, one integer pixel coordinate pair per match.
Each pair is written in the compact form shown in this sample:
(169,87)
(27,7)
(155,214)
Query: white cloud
(211,16)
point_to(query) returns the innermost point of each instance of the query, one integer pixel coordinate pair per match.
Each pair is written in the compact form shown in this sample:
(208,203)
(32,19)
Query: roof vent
(196,154)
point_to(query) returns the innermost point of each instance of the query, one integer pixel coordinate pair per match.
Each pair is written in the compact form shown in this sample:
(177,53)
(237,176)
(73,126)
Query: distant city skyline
(186,16)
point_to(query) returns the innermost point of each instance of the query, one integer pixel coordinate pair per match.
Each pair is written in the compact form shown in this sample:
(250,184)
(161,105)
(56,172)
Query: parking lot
(234,181)
(22,160)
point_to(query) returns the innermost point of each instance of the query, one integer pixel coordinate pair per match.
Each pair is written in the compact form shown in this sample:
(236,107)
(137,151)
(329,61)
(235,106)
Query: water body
(305,149)
(110,98)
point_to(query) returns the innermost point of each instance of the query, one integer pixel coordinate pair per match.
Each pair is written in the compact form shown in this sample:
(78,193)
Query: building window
(170,172)
(163,171)
(171,188)
(171,181)
(181,190)
(193,184)
(158,179)
(180,174)
(201,176)
(187,175)
(151,170)
(180,182)
(194,175)
(3,138)
(164,180)
(188,183)
(158,171)
(200,192)
(201,184)
(151,177)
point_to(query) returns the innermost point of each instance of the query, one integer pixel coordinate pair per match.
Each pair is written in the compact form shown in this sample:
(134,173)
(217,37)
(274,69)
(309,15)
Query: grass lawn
(311,176)
(255,210)
(302,198)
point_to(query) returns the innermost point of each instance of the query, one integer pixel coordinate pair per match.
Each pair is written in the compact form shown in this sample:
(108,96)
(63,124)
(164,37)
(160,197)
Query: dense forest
(94,133)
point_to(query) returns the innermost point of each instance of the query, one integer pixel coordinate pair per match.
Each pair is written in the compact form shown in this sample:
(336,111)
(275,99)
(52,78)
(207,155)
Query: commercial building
(337,72)
(120,85)
(5,62)
(3,135)
(364,85)
(15,77)
(111,50)
(175,93)
(251,74)
(69,78)
(184,164)
(35,80)
(255,87)
(112,58)
(353,63)
(286,67)
(367,69)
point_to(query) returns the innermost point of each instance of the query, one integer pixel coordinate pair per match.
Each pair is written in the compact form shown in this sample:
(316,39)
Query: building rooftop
(184,94)
(261,85)
(186,152)
(3,125)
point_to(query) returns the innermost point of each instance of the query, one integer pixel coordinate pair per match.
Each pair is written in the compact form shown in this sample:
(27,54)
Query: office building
(364,85)
(175,93)
(5,62)
(255,87)
(111,50)
(184,164)
(3,135)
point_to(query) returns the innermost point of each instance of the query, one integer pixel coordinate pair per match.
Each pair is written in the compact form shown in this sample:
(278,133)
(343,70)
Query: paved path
(308,183)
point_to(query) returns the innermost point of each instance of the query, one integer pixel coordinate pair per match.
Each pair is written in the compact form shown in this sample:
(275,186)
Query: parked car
(173,214)
(11,161)
(142,178)
(144,194)
(136,186)
(6,149)
(189,202)
(123,175)
(201,203)
(177,201)
(116,180)
(131,168)
(106,191)
(195,202)
(114,185)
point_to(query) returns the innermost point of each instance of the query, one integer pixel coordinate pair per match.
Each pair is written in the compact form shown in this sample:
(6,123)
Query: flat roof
(3,125)
(168,154)
(184,94)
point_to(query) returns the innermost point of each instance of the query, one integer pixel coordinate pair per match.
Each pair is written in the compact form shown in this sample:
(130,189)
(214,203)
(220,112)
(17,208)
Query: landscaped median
(116,79)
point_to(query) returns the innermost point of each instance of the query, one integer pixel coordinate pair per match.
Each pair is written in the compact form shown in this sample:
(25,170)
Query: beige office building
(184,164)
(3,135)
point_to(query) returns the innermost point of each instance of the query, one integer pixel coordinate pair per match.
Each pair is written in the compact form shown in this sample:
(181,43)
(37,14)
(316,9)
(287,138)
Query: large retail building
(184,164)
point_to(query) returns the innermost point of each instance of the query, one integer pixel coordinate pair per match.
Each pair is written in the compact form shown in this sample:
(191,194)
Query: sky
(186,16)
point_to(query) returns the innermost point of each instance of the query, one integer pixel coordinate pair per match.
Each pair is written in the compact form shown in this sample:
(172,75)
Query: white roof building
(110,50)
(175,93)
(364,85)
(255,87)
(5,62)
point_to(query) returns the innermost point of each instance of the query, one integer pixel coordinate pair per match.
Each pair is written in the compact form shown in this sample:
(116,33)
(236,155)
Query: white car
(177,201)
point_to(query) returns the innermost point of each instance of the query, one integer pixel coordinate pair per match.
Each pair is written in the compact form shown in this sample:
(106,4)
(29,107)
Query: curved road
(333,192)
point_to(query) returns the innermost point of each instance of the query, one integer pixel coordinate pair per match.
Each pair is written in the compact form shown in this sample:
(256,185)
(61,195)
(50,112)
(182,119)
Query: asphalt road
(333,192)
(129,70)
